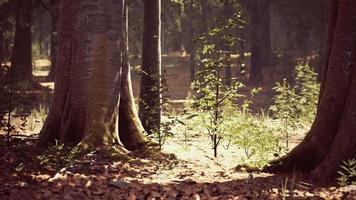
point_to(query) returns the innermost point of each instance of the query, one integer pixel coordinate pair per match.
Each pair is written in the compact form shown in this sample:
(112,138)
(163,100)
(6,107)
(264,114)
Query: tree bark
(130,126)
(332,138)
(54,38)
(1,48)
(150,95)
(87,85)
(260,39)
(21,61)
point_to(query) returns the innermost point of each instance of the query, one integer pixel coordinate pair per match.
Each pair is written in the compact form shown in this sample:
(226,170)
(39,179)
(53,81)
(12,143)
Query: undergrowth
(261,136)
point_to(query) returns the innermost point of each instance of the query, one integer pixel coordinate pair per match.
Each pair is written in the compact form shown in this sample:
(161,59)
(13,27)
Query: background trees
(259,43)
(21,60)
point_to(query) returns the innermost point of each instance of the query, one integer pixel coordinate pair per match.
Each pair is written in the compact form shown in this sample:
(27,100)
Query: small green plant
(295,106)
(58,156)
(212,93)
(254,133)
(286,110)
(348,173)
(161,133)
(308,90)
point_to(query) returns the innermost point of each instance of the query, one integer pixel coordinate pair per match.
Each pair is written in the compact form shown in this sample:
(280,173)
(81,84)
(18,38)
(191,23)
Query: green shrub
(348,173)
(295,106)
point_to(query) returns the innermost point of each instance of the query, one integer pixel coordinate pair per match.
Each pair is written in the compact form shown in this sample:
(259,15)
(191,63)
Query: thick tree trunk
(260,40)
(150,96)
(87,85)
(332,136)
(130,127)
(21,60)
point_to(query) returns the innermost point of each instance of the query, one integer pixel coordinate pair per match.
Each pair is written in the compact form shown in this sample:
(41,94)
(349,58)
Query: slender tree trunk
(150,96)
(188,31)
(228,14)
(260,40)
(130,127)
(1,47)
(21,60)
(54,39)
(332,138)
(87,85)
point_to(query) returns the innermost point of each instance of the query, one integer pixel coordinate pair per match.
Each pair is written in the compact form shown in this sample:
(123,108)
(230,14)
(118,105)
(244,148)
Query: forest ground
(191,174)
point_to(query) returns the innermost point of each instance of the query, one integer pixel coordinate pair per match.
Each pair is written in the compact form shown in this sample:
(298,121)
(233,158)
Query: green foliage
(307,89)
(295,106)
(164,130)
(58,156)
(211,92)
(286,110)
(258,135)
(348,173)
(254,133)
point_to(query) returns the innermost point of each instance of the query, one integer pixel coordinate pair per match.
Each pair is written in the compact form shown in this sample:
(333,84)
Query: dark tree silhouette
(150,97)
(21,60)
(332,137)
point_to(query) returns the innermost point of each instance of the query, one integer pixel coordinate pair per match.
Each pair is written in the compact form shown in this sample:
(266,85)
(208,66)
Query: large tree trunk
(87,84)
(260,39)
(332,137)
(150,95)
(21,60)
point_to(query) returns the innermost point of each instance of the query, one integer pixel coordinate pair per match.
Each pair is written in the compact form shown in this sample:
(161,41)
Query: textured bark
(332,136)
(149,104)
(260,39)
(21,60)
(130,127)
(87,84)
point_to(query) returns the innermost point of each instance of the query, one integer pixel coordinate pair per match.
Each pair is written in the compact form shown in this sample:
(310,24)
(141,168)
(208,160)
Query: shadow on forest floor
(23,176)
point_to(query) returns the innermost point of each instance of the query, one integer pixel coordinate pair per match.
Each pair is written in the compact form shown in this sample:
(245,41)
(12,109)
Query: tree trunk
(130,127)
(87,85)
(188,31)
(260,40)
(1,48)
(323,37)
(332,138)
(21,60)
(54,39)
(228,14)
(150,95)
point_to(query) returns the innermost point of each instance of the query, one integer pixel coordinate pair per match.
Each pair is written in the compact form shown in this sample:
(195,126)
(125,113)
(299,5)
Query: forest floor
(192,173)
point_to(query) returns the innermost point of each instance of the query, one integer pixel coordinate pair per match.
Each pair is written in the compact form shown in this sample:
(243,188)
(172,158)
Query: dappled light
(198,99)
